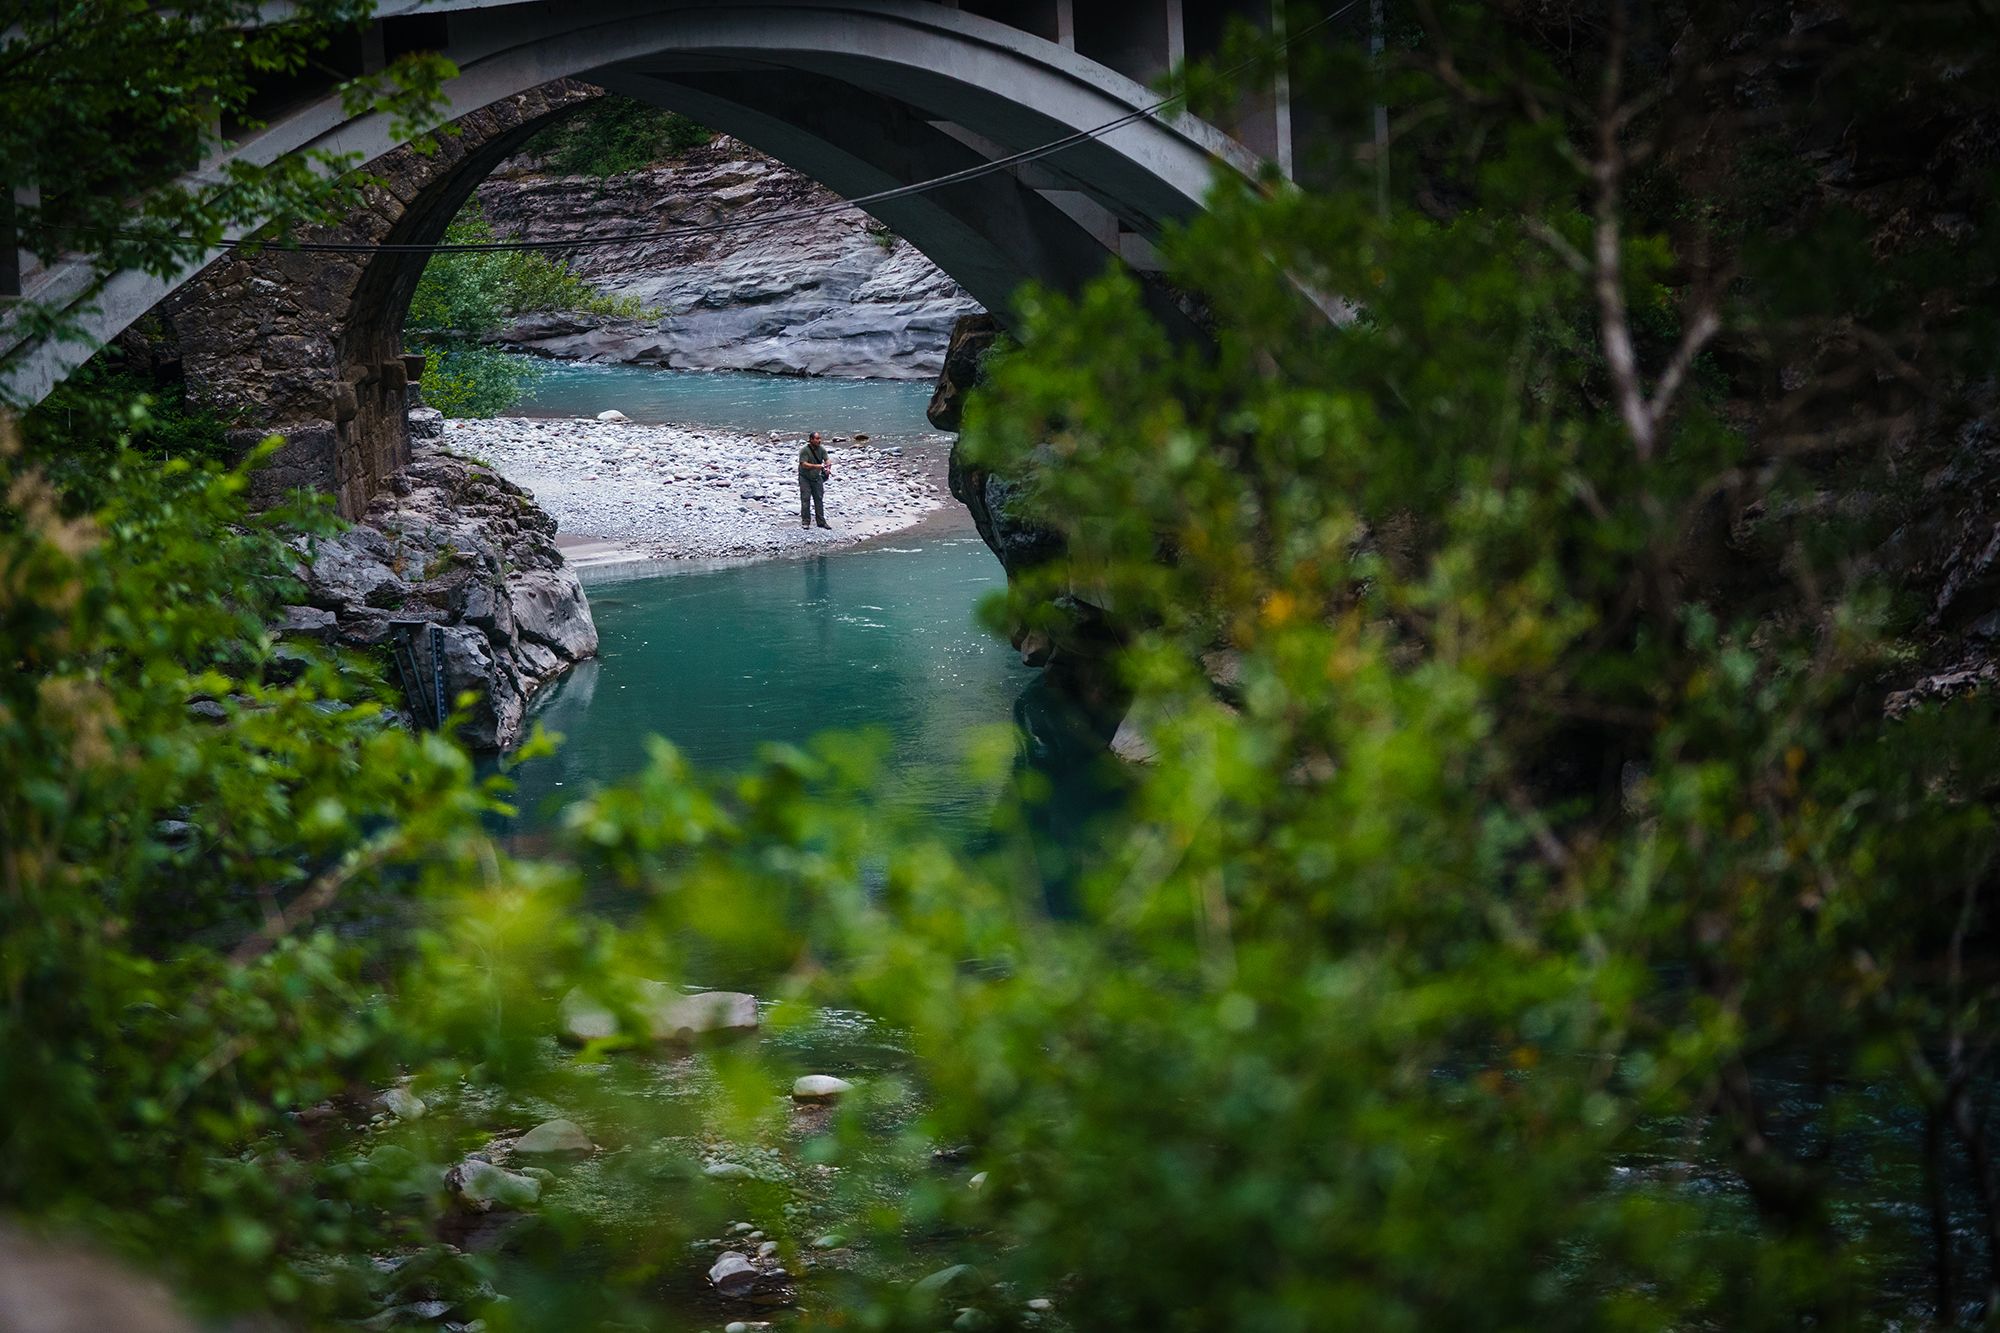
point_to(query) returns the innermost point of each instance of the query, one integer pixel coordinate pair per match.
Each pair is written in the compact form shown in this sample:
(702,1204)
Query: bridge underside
(862,95)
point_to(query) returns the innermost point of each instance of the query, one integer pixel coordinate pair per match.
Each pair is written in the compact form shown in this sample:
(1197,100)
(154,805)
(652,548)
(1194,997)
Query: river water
(737,400)
(882,639)
(723,662)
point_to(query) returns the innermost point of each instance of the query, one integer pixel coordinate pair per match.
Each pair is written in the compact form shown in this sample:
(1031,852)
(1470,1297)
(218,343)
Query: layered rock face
(451,543)
(833,296)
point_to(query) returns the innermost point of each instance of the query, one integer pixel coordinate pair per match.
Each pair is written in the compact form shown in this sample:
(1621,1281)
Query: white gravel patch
(689,492)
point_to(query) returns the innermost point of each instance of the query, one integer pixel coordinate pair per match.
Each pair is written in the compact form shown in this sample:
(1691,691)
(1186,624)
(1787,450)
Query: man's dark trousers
(812,497)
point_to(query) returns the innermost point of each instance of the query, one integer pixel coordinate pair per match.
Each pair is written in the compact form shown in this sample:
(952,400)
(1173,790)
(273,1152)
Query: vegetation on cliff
(614,135)
(1534,916)
(467,294)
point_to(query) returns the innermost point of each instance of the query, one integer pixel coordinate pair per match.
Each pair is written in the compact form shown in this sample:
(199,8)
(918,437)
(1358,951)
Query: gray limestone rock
(548,606)
(833,296)
(426,423)
(451,542)
(306,622)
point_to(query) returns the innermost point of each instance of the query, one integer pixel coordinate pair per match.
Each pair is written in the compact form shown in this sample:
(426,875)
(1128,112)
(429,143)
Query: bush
(464,379)
(475,293)
(617,134)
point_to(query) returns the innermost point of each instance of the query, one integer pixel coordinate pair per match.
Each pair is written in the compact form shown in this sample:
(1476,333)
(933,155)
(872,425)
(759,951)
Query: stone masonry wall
(308,345)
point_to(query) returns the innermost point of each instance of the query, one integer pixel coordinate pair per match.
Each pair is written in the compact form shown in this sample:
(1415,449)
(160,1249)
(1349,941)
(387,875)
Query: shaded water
(738,400)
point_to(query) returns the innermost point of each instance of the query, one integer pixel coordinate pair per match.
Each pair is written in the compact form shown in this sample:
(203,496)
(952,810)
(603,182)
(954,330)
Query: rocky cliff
(451,543)
(834,296)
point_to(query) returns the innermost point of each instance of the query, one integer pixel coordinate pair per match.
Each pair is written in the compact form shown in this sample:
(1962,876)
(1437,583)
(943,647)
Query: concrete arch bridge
(862,95)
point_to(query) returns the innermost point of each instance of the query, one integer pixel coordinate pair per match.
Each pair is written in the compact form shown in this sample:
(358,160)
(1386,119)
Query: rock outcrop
(972,337)
(834,296)
(450,543)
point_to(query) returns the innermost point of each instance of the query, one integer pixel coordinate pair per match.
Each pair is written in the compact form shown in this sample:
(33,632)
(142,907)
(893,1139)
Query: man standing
(813,472)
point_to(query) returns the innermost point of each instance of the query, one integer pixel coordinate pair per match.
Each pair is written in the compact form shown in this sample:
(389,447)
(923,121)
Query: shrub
(464,379)
(617,134)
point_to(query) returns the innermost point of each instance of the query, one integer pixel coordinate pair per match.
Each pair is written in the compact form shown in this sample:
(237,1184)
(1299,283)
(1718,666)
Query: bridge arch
(859,94)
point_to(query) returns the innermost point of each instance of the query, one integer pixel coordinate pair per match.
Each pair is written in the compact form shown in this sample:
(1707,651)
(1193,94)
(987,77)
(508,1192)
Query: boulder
(612,415)
(452,543)
(684,1020)
(404,1104)
(585,1020)
(483,1187)
(820,1088)
(306,622)
(555,1138)
(549,607)
(733,1274)
(426,423)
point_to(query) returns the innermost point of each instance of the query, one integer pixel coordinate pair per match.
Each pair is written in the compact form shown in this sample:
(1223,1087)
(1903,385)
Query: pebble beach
(671,492)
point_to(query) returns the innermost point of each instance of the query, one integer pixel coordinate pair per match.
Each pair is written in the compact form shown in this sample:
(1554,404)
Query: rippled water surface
(738,400)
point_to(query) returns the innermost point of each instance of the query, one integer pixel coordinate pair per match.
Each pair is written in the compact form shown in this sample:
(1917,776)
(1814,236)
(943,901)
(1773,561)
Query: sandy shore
(621,491)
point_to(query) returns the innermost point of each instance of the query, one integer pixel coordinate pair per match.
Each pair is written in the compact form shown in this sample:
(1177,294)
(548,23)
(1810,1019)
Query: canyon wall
(833,295)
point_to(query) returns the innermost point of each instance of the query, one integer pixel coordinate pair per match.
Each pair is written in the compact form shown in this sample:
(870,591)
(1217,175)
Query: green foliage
(105,409)
(178,833)
(1540,922)
(464,379)
(475,293)
(617,134)
(104,107)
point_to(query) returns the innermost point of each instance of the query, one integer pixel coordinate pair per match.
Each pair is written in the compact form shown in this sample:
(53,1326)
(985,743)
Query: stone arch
(310,345)
(906,87)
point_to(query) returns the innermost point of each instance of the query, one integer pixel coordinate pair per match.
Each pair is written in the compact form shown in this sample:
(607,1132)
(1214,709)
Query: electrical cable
(959,177)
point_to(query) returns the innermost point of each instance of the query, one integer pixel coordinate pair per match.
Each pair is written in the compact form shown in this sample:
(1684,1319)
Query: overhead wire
(963,175)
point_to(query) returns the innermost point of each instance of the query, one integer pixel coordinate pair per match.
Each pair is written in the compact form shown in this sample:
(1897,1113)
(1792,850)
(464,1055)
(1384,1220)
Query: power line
(890,195)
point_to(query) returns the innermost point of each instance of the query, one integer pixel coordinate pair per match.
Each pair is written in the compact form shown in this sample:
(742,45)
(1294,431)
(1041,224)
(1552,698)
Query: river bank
(623,491)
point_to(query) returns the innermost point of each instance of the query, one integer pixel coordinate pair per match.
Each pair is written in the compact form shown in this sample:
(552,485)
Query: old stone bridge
(862,95)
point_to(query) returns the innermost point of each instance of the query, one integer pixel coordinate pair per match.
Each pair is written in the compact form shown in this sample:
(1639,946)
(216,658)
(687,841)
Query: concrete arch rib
(1002,85)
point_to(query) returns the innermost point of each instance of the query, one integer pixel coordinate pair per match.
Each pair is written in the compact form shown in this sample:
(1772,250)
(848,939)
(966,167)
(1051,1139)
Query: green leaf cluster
(614,135)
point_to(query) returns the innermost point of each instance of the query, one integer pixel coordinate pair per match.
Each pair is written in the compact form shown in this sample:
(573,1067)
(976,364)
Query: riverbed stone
(483,1187)
(685,1020)
(404,1104)
(820,1088)
(555,1138)
(733,1274)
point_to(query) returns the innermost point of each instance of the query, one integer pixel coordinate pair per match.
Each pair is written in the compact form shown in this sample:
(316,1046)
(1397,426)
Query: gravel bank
(686,492)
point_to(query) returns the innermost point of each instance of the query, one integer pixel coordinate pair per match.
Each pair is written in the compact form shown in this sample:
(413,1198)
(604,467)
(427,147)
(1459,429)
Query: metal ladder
(427,708)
